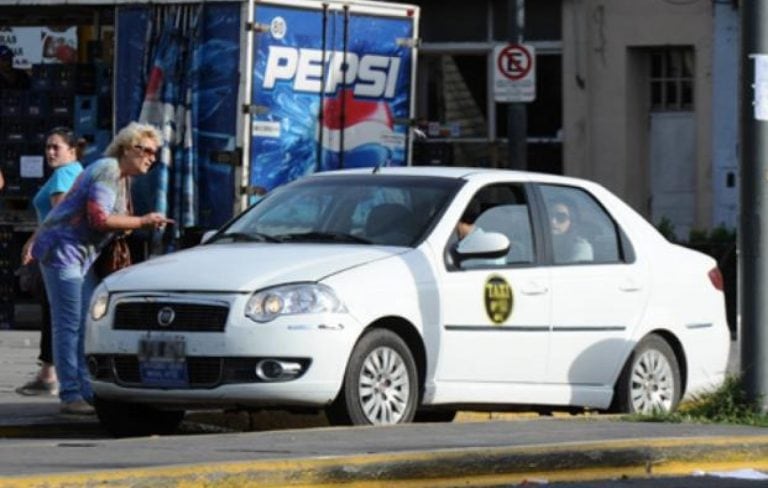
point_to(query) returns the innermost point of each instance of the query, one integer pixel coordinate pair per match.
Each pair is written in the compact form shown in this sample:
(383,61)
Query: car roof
(466,173)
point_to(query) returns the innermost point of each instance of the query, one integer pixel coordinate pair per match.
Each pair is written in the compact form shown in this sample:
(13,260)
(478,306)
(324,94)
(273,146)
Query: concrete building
(627,93)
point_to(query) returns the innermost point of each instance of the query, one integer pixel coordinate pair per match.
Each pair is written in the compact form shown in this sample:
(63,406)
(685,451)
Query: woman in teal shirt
(62,151)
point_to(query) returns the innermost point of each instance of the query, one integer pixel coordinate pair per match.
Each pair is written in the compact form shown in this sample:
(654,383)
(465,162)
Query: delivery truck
(249,95)
(255,94)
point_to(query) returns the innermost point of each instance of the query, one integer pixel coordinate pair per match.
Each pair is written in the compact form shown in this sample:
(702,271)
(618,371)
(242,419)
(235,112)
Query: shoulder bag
(116,255)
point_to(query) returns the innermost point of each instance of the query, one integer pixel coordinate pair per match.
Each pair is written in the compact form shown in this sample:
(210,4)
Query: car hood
(244,266)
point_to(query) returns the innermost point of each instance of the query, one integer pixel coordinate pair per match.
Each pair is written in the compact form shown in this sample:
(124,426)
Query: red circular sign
(514,62)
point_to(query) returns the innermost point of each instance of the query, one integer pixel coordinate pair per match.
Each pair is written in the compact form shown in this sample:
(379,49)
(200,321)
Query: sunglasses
(561,217)
(146,151)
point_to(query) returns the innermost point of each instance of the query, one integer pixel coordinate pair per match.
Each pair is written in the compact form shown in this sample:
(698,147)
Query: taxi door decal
(499,299)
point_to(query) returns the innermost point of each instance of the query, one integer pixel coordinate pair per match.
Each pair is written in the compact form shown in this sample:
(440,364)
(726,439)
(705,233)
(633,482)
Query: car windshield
(364,209)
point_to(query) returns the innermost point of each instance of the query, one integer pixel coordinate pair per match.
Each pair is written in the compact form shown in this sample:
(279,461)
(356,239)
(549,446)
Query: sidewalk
(28,416)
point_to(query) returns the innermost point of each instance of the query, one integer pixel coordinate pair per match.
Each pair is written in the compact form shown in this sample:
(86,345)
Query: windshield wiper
(324,236)
(247,237)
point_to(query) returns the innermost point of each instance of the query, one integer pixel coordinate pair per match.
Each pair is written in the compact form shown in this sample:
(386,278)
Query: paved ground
(480,449)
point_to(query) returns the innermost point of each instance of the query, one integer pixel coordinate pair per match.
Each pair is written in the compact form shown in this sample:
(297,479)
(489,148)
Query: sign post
(753,267)
(511,61)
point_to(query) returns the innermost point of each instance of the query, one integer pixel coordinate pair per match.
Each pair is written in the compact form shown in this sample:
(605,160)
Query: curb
(475,466)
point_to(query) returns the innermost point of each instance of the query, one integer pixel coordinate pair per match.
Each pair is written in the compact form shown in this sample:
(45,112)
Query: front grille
(202,372)
(188,317)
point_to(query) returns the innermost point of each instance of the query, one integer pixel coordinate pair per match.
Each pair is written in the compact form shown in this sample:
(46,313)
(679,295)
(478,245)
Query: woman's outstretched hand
(155,220)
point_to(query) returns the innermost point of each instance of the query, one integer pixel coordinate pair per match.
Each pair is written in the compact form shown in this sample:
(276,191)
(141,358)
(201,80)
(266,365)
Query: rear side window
(580,229)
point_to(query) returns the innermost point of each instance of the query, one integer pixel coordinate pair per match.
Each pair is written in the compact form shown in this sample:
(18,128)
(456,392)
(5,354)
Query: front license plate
(162,363)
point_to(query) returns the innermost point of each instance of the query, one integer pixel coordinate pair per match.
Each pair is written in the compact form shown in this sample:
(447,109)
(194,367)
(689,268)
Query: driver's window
(501,209)
(514,222)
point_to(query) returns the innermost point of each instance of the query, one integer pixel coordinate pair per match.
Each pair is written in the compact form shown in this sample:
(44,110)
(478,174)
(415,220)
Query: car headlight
(265,305)
(99,305)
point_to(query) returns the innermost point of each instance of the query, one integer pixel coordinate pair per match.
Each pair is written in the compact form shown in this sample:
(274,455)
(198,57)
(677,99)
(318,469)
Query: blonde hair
(131,135)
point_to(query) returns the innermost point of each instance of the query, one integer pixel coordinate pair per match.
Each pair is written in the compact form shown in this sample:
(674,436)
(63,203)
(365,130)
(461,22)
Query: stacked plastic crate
(27,116)
(93,108)
(7,279)
(71,95)
(15,124)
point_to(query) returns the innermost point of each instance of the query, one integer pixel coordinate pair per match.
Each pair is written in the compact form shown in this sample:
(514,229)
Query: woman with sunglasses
(69,241)
(62,152)
(569,246)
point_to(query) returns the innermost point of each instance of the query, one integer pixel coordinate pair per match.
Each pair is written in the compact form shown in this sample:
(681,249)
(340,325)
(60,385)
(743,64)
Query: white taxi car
(405,294)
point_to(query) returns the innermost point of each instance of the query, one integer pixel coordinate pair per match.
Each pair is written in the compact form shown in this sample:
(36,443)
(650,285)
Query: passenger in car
(568,245)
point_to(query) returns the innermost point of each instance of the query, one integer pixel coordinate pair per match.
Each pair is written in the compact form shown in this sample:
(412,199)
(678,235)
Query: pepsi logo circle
(278,27)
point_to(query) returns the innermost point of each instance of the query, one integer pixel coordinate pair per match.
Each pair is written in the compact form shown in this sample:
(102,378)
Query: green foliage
(718,235)
(728,405)
(697,236)
(667,229)
(723,234)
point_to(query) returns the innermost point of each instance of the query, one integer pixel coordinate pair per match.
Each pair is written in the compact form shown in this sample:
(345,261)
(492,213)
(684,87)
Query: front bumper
(221,364)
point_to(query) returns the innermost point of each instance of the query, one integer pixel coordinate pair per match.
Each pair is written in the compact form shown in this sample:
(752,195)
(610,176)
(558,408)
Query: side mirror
(482,245)
(207,236)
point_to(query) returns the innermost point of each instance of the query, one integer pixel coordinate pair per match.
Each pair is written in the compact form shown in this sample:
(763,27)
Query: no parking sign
(514,74)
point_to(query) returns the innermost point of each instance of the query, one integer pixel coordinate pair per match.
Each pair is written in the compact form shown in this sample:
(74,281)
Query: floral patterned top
(74,231)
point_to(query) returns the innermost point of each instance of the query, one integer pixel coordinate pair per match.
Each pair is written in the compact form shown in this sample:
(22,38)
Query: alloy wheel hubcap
(652,385)
(383,386)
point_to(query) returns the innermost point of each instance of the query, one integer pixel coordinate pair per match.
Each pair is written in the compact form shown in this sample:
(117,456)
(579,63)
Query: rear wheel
(134,419)
(650,381)
(380,385)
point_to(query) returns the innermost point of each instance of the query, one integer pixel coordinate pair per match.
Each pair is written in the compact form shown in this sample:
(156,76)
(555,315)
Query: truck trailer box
(251,95)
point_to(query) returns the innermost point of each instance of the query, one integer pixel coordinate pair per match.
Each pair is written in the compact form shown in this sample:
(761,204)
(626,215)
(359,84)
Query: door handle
(533,288)
(629,285)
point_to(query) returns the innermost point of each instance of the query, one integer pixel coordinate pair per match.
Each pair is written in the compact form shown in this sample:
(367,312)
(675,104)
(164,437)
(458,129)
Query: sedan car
(404,294)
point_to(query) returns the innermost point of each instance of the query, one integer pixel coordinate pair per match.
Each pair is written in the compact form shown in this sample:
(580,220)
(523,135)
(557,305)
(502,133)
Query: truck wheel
(380,385)
(650,381)
(133,419)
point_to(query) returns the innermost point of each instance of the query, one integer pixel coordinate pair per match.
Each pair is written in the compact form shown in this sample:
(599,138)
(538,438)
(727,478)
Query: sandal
(39,387)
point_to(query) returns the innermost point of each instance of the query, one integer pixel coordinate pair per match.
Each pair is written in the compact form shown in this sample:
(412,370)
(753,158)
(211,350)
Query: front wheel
(380,384)
(650,381)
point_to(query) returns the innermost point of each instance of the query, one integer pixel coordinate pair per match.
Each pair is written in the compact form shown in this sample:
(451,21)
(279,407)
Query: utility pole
(517,123)
(753,268)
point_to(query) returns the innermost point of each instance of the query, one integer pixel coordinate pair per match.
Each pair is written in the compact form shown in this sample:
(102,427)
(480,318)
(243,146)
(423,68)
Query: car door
(496,312)
(598,289)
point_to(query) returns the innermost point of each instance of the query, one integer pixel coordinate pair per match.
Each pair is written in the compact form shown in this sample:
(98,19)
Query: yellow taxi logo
(498,299)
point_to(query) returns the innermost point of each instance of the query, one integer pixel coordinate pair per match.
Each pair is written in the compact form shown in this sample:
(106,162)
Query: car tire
(650,381)
(380,384)
(122,419)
